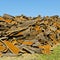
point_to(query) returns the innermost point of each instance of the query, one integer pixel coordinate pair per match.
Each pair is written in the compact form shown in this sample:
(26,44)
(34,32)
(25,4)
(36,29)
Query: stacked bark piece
(21,34)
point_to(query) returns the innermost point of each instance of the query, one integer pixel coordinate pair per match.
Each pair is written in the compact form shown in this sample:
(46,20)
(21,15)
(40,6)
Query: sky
(30,7)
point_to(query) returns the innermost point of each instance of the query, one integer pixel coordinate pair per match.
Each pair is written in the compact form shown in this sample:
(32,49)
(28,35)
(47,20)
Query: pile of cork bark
(21,34)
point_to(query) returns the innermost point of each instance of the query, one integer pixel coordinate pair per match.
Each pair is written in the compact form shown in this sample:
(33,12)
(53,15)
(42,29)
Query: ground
(55,55)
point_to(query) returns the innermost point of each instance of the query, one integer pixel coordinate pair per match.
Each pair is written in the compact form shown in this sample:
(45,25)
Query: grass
(55,55)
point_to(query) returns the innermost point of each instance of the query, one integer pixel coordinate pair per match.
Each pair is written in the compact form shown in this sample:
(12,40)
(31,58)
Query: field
(55,55)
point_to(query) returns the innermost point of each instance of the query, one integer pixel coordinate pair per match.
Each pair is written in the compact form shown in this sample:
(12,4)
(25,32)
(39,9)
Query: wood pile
(21,34)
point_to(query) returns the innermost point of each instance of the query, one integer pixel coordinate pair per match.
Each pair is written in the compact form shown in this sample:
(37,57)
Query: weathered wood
(21,34)
(11,47)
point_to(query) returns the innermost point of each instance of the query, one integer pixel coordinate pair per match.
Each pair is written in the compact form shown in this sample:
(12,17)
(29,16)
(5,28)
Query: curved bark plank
(11,47)
(45,49)
(27,43)
(2,48)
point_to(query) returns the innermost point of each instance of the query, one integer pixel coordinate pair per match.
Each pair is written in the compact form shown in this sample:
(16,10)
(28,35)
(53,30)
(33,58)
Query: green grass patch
(55,55)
